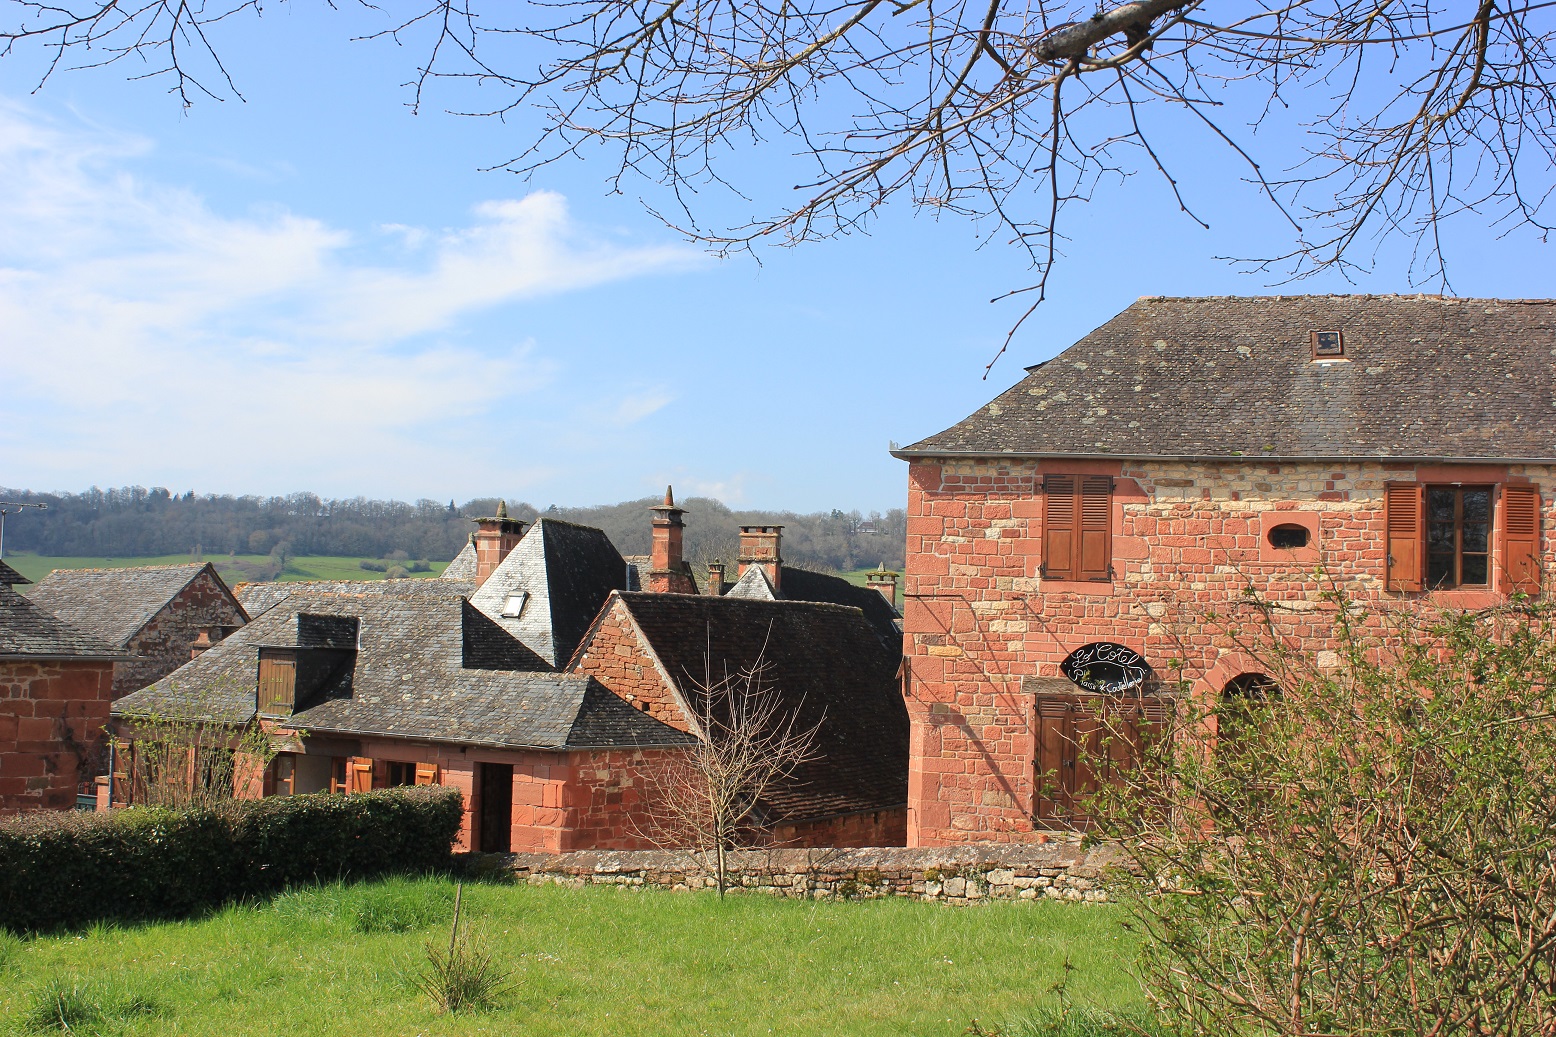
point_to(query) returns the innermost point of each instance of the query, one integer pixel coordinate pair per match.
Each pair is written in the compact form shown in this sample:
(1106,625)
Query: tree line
(135,522)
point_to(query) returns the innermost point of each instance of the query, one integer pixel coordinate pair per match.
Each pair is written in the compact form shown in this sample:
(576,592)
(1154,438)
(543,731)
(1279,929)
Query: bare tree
(1414,112)
(709,799)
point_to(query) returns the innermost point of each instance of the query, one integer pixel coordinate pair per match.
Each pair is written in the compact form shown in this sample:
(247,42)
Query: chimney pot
(494,538)
(668,572)
(884,581)
(716,578)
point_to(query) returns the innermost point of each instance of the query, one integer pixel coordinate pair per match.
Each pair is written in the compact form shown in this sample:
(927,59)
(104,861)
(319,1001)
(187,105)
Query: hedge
(68,869)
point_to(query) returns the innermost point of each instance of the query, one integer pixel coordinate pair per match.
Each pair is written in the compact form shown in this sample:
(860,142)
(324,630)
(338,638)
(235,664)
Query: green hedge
(67,869)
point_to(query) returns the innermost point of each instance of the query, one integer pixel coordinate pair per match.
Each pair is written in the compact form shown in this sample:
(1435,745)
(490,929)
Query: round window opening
(1289,536)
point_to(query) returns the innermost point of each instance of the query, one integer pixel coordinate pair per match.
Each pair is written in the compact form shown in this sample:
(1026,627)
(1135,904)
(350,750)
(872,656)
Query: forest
(132,521)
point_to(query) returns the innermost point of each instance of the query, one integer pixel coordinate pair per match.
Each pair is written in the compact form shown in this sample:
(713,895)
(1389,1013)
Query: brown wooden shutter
(1521,537)
(1402,518)
(426,774)
(1096,526)
(359,774)
(1061,531)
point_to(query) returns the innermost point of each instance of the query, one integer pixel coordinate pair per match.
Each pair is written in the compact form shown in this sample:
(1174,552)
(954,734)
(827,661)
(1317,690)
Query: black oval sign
(1106,667)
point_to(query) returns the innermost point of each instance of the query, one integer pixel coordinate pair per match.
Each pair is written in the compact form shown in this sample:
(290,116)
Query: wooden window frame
(1078,528)
(1458,490)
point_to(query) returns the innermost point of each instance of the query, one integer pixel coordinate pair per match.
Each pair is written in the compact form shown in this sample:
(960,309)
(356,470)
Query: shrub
(68,869)
(396,572)
(465,975)
(371,566)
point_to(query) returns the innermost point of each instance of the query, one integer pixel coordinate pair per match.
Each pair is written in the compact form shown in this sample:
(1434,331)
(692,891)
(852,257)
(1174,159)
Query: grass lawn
(307,567)
(334,960)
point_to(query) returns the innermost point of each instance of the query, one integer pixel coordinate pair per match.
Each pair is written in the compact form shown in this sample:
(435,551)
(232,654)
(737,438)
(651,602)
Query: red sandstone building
(55,687)
(1185,452)
(530,678)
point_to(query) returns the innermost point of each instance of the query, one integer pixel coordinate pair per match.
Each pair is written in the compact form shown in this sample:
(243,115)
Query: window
(1328,344)
(401,774)
(1077,527)
(1288,536)
(277,681)
(1458,536)
(513,607)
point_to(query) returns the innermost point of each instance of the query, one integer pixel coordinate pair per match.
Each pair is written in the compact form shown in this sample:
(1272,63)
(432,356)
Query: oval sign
(1106,667)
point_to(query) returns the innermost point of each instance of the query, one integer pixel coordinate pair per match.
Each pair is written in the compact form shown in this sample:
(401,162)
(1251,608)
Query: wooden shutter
(1521,537)
(1096,526)
(426,774)
(1402,519)
(277,682)
(359,774)
(1060,527)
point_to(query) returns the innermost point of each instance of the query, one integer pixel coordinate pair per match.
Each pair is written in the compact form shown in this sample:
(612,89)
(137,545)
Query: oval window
(1106,667)
(1288,536)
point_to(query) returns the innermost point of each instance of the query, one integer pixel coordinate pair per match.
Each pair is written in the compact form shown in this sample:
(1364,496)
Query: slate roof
(567,571)
(805,585)
(428,666)
(828,665)
(1424,377)
(463,565)
(28,631)
(115,604)
(257,598)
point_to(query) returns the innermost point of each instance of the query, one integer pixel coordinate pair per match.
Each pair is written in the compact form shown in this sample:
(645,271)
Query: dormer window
(1328,345)
(277,681)
(513,607)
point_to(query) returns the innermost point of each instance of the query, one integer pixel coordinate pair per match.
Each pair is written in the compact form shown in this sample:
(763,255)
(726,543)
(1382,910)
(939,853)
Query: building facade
(1191,480)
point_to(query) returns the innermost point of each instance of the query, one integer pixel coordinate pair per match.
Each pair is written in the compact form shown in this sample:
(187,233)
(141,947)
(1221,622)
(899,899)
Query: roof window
(513,607)
(1328,345)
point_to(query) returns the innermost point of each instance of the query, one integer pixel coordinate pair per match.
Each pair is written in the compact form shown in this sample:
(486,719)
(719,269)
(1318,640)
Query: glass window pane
(1439,505)
(1439,570)
(1475,536)
(1439,536)
(1477,505)
(1474,567)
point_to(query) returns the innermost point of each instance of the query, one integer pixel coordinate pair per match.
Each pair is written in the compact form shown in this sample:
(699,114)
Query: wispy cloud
(135,321)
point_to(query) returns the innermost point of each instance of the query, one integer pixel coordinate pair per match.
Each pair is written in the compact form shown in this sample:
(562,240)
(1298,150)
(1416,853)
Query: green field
(590,961)
(233,568)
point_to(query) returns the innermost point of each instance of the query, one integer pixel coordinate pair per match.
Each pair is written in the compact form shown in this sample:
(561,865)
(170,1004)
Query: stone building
(155,615)
(1090,519)
(56,683)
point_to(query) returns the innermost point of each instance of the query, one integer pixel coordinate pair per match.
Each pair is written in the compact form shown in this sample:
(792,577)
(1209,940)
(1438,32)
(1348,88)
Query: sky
(316,288)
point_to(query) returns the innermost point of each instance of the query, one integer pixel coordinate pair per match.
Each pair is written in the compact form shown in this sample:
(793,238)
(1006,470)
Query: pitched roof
(10,577)
(257,598)
(115,604)
(29,631)
(561,574)
(463,565)
(1423,377)
(828,666)
(804,585)
(427,665)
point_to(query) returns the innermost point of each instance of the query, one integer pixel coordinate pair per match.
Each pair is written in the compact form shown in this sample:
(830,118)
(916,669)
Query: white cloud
(138,324)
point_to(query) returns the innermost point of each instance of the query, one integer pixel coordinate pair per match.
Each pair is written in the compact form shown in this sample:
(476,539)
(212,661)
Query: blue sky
(316,289)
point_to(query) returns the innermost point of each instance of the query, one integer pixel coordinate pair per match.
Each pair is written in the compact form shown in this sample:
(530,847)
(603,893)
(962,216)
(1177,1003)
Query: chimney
(761,545)
(494,538)
(203,643)
(668,572)
(716,578)
(885,581)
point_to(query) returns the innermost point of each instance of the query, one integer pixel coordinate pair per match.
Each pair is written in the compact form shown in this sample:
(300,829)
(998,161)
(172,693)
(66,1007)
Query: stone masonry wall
(51,721)
(959,875)
(1188,542)
(162,645)
(617,656)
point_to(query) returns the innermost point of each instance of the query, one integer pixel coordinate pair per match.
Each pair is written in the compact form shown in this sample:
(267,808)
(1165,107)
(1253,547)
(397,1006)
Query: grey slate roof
(1424,377)
(28,631)
(423,669)
(114,603)
(804,585)
(567,571)
(261,597)
(828,665)
(463,565)
(10,577)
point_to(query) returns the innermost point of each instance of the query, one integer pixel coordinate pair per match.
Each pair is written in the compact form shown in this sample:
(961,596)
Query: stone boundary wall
(958,874)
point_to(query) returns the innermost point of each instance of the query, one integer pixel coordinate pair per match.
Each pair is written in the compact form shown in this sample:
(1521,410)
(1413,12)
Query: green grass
(307,567)
(340,960)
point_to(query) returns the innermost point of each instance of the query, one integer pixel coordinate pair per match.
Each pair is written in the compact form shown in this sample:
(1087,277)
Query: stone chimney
(715,578)
(494,538)
(204,643)
(668,572)
(885,581)
(762,545)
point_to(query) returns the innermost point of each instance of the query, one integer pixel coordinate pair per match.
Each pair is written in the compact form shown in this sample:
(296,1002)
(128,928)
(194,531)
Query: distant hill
(134,522)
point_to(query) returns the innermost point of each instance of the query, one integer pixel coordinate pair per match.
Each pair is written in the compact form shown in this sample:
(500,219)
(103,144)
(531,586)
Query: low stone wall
(960,874)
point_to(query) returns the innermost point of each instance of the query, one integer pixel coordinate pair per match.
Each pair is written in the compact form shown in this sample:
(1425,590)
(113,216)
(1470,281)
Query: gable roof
(427,666)
(258,598)
(828,666)
(114,604)
(28,631)
(567,571)
(463,566)
(1424,377)
(805,585)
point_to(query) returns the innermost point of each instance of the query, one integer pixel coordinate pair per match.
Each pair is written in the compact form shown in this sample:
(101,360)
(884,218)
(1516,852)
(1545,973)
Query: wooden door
(1084,742)
(496,807)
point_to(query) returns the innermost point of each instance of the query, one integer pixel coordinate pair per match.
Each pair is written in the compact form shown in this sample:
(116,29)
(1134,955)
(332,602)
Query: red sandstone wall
(1187,540)
(51,721)
(616,657)
(162,645)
